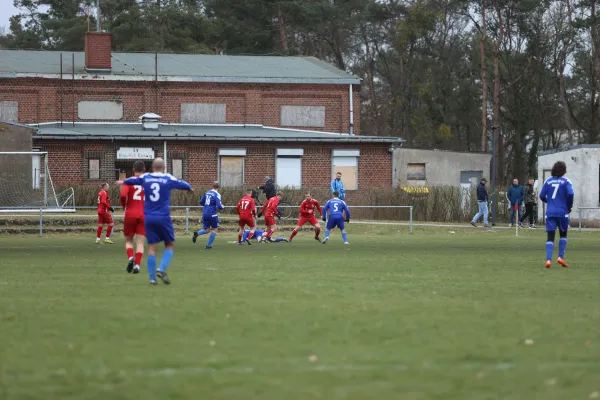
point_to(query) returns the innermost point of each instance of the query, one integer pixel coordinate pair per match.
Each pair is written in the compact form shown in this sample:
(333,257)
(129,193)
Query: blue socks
(152,267)
(550,249)
(326,234)
(211,239)
(202,232)
(344,237)
(167,256)
(562,246)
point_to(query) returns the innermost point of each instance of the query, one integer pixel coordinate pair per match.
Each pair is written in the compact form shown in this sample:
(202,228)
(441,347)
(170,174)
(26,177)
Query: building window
(93,168)
(111,110)
(288,168)
(415,172)
(203,113)
(9,111)
(231,167)
(303,116)
(346,162)
(177,168)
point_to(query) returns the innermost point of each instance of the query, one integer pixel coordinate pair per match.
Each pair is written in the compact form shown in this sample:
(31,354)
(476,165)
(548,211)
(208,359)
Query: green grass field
(432,315)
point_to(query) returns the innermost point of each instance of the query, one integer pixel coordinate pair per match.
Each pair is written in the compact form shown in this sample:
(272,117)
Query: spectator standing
(269,188)
(482,202)
(530,200)
(515,196)
(338,186)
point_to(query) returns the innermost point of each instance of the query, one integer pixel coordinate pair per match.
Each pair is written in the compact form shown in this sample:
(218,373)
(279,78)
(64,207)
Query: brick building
(218,116)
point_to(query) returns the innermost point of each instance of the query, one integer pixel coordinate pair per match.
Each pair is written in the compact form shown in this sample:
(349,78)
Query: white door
(288,172)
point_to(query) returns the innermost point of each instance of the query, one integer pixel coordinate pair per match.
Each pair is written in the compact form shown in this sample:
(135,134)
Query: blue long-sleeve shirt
(336,208)
(157,191)
(515,194)
(338,186)
(211,201)
(558,194)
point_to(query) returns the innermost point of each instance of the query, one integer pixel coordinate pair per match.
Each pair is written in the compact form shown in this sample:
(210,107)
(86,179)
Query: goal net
(26,184)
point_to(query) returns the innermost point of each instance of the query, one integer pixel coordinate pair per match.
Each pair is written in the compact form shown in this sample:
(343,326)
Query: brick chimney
(97,52)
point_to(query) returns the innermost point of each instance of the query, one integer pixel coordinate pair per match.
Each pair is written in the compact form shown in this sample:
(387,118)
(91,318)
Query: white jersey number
(137,195)
(155,188)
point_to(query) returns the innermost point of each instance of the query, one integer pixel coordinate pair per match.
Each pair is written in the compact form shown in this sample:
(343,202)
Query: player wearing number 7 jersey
(558,195)
(246,209)
(132,200)
(157,216)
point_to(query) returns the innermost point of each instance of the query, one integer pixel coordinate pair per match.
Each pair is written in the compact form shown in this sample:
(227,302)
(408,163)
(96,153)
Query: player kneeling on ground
(558,194)
(211,201)
(104,216)
(270,210)
(337,208)
(246,209)
(132,200)
(258,234)
(307,214)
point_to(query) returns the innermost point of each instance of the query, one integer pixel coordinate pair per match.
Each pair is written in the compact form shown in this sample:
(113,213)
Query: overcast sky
(7,10)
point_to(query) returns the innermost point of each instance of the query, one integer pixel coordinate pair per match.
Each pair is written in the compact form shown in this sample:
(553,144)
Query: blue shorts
(560,223)
(335,222)
(159,229)
(210,222)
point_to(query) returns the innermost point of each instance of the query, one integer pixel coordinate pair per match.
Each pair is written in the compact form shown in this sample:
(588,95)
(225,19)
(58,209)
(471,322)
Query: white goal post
(26,185)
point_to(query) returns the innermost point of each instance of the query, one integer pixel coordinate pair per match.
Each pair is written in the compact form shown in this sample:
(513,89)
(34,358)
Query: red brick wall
(97,50)
(49,100)
(67,161)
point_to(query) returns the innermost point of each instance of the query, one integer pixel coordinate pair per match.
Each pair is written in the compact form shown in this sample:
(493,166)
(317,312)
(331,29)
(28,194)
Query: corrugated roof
(177,67)
(259,133)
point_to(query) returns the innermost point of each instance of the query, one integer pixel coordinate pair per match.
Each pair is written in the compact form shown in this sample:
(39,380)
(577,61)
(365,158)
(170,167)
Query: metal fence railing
(587,223)
(378,213)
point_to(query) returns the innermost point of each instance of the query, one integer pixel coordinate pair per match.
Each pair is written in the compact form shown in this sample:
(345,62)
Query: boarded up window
(203,113)
(100,110)
(9,111)
(303,116)
(231,171)
(415,172)
(288,172)
(94,168)
(348,166)
(177,168)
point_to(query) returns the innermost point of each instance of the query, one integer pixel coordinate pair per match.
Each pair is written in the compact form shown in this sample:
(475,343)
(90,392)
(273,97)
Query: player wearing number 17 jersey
(336,208)
(558,195)
(132,200)
(246,209)
(157,216)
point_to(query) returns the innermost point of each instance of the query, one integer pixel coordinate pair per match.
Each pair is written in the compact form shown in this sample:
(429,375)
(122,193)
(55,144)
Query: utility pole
(494,166)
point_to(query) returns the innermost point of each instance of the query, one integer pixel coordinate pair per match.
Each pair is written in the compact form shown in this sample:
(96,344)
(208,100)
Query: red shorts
(133,226)
(270,221)
(104,218)
(311,220)
(246,221)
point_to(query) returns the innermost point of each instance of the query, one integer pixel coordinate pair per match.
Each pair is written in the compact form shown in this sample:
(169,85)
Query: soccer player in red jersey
(132,200)
(270,211)
(246,209)
(307,214)
(104,216)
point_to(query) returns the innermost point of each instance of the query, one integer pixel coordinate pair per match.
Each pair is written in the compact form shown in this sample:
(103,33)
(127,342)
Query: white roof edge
(169,78)
(275,128)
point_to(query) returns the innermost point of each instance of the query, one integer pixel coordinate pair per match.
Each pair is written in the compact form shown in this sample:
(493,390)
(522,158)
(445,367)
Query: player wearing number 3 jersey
(246,209)
(132,200)
(157,217)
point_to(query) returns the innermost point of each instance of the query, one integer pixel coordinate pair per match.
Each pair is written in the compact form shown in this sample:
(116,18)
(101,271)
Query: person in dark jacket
(515,196)
(482,202)
(269,188)
(530,200)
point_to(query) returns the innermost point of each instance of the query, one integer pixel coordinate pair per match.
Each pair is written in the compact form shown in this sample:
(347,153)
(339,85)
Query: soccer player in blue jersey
(211,201)
(157,217)
(258,233)
(338,213)
(558,195)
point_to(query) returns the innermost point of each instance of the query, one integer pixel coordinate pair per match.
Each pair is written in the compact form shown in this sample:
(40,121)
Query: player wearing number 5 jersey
(558,195)
(211,201)
(157,217)
(246,209)
(336,208)
(104,216)
(132,200)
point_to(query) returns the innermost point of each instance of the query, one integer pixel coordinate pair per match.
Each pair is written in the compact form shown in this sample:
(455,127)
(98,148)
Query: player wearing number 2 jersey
(132,200)
(558,195)
(157,216)
(246,209)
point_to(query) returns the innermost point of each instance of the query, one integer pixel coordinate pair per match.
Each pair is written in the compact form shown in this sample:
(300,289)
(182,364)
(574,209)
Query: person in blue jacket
(338,186)
(482,202)
(515,196)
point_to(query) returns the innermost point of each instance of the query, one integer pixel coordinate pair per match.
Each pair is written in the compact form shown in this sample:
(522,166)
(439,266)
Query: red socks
(268,233)
(250,235)
(138,258)
(129,253)
(294,232)
(239,238)
(99,232)
(108,231)
(317,231)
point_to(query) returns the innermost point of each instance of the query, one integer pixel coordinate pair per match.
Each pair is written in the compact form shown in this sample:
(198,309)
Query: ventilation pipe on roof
(351,112)
(150,121)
